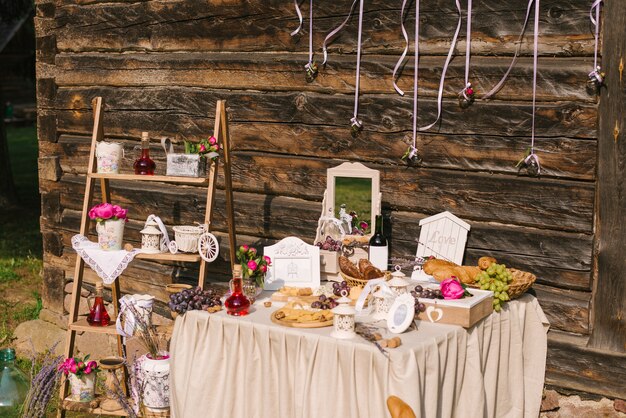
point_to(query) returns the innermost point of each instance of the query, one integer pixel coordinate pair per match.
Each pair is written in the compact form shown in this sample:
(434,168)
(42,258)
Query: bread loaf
(398,408)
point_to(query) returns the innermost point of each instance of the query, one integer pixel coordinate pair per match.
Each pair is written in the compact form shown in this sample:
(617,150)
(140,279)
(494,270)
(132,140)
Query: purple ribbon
(514,60)
(596,22)
(295,32)
(445,69)
(413,150)
(532,155)
(468,42)
(406,50)
(335,31)
(356,123)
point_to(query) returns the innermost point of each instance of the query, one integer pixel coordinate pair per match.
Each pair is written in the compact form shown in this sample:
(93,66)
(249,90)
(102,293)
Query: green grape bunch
(496,278)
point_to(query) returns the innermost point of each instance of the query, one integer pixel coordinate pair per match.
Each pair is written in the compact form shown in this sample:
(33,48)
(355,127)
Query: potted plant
(110,220)
(193,162)
(254,268)
(82,376)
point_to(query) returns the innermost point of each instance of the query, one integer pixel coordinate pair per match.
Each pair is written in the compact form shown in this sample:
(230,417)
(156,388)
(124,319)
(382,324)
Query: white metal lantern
(382,299)
(398,284)
(343,318)
(151,237)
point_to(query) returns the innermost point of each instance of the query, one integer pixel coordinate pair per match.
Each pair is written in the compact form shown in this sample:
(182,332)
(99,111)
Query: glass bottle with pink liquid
(237,304)
(98,315)
(144,165)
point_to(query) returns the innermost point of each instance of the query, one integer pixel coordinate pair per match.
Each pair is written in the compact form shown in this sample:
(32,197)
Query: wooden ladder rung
(83,326)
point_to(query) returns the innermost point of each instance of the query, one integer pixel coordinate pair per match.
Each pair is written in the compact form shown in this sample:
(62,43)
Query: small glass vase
(249,288)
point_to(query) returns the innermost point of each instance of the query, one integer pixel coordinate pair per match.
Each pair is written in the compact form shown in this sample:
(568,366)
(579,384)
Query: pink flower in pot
(452,289)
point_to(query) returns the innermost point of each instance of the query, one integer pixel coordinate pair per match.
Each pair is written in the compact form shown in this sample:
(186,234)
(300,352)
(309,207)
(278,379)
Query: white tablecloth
(248,367)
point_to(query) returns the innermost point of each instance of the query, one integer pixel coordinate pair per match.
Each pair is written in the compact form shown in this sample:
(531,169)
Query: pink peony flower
(212,140)
(92,364)
(252,251)
(92,213)
(202,148)
(87,370)
(81,365)
(244,248)
(105,212)
(73,368)
(252,265)
(122,214)
(267,260)
(263,268)
(217,147)
(451,289)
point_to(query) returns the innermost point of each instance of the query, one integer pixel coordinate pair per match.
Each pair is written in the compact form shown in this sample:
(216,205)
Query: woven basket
(354,282)
(186,237)
(176,287)
(522,281)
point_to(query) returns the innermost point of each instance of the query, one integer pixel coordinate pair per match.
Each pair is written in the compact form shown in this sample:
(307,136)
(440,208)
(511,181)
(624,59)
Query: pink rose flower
(212,140)
(252,265)
(451,289)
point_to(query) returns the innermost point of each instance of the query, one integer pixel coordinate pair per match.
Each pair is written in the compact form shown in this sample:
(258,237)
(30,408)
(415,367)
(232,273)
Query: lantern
(343,318)
(382,299)
(398,283)
(151,237)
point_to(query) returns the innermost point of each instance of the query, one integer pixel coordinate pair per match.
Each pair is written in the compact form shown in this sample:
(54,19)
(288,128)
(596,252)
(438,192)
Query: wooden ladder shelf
(80,325)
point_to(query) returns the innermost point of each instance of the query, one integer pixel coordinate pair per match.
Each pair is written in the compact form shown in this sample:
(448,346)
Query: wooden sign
(294,263)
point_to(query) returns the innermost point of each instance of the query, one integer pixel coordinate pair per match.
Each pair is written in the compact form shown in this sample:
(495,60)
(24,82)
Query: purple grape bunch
(324,302)
(425,293)
(193,299)
(339,287)
(329,244)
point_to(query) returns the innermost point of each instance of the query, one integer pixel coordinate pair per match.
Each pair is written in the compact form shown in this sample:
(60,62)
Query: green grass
(356,193)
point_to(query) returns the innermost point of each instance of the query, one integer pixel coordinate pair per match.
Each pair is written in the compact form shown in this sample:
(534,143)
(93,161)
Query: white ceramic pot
(110,234)
(155,381)
(83,388)
(142,305)
(108,157)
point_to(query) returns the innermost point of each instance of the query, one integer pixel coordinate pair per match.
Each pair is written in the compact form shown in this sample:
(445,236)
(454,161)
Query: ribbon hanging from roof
(531,160)
(310,67)
(498,86)
(356,125)
(596,76)
(466,95)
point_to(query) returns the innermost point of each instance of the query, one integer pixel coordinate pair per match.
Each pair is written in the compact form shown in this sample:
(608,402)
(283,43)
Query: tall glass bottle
(13,384)
(237,303)
(98,315)
(144,165)
(378,249)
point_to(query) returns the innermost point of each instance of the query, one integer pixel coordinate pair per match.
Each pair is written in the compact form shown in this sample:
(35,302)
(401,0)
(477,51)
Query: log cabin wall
(161,65)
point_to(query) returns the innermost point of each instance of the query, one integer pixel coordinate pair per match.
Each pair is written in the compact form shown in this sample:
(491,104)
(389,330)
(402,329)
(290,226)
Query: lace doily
(108,265)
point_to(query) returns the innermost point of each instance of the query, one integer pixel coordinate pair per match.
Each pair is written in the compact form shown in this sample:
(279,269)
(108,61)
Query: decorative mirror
(401,314)
(351,201)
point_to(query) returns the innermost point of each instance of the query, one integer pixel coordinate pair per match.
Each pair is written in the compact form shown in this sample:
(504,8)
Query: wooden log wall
(161,65)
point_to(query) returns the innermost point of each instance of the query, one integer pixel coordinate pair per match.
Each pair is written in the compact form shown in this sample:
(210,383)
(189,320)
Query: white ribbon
(514,60)
(413,151)
(532,155)
(406,50)
(295,32)
(445,67)
(596,22)
(165,240)
(468,43)
(355,120)
(335,31)
(369,288)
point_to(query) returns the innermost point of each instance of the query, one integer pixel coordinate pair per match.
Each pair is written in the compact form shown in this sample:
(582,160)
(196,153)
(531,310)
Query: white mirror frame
(406,302)
(348,169)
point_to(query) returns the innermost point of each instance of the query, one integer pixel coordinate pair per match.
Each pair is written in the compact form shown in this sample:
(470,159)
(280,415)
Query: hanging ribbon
(299,28)
(596,76)
(336,31)
(406,50)
(467,94)
(355,124)
(445,67)
(411,153)
(515,56)
(531,160)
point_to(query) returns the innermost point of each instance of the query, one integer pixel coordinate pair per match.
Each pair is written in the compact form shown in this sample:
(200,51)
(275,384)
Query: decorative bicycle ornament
(197,238)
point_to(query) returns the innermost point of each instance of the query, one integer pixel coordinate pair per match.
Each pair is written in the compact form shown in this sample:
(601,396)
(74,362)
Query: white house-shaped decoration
(294,263)
(443,236)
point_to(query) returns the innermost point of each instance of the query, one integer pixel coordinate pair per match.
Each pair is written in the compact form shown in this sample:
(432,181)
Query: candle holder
(398,283)
(111,365)
(151,237)
(343,318)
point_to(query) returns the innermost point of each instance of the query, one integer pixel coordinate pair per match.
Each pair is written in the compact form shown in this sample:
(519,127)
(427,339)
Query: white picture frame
(401,314)
(294,263)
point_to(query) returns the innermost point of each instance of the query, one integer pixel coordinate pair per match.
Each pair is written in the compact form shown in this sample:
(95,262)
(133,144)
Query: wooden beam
(609,314)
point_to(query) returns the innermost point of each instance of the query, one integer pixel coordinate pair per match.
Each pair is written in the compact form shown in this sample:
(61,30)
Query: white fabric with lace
(108,265)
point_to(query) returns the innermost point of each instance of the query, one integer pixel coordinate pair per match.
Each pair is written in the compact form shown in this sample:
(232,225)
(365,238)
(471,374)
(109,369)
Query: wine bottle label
(379,256)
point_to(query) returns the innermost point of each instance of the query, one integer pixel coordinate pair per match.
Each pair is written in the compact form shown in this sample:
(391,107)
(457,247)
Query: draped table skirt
(249,367)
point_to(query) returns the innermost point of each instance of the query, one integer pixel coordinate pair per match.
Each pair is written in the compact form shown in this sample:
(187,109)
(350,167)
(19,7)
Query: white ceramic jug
(108,156)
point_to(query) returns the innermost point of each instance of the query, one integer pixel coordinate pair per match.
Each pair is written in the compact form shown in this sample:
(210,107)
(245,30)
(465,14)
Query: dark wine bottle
(378,249)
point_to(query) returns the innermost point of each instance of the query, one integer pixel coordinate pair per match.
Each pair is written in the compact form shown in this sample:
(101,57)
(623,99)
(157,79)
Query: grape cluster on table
(324,302)
(329,244)
(496,278)
(193,299)
(420,292)
(339,287)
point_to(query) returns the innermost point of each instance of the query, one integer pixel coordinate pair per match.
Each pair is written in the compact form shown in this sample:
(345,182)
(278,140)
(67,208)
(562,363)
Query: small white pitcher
(108,156)
(142,305)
